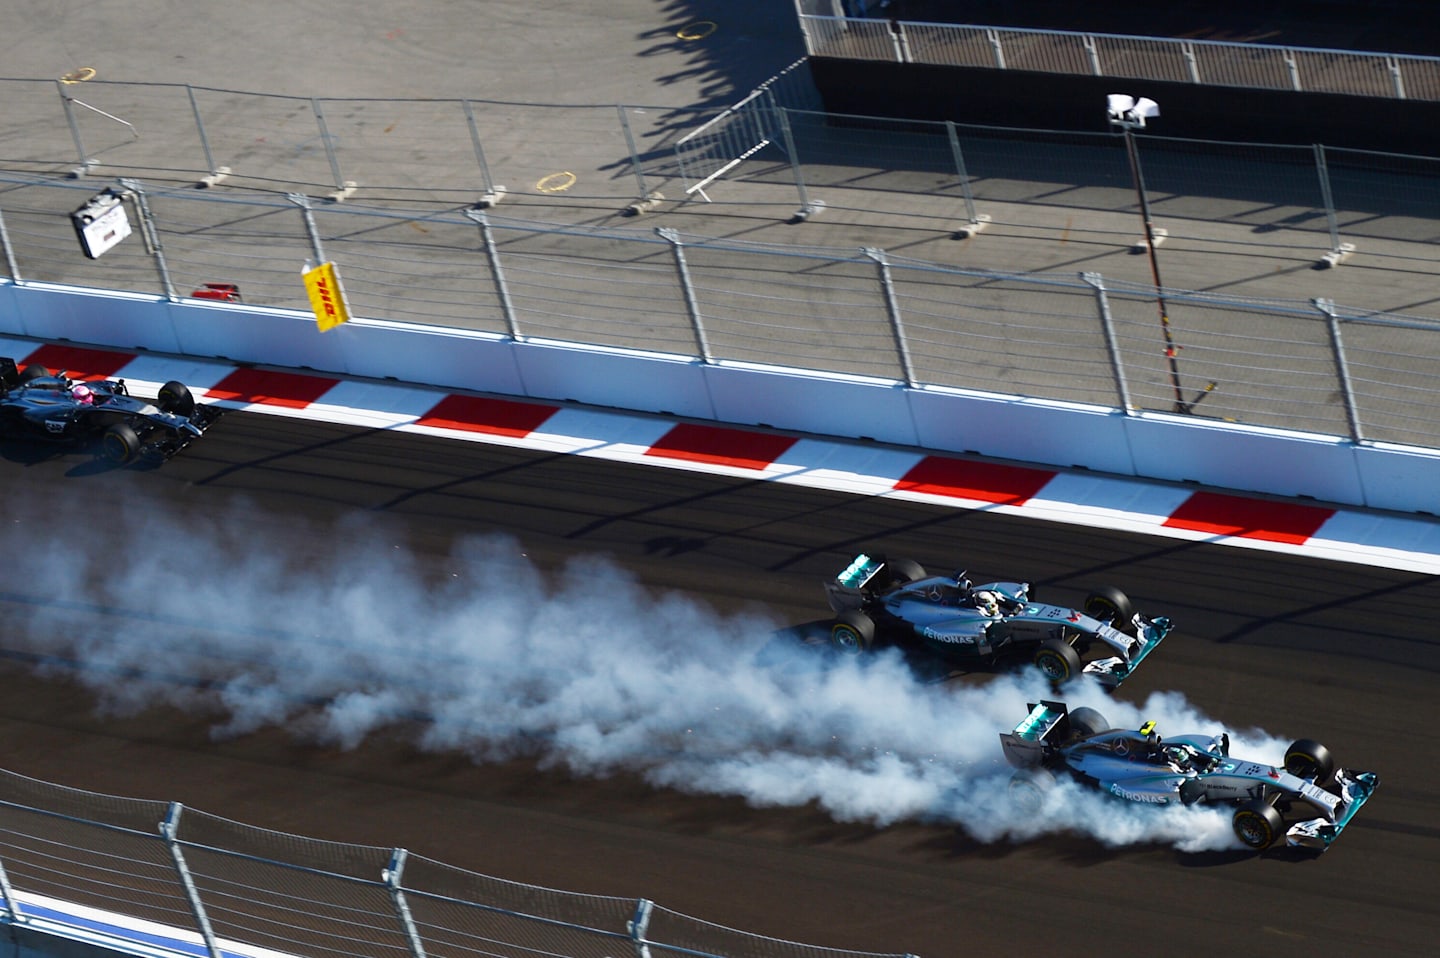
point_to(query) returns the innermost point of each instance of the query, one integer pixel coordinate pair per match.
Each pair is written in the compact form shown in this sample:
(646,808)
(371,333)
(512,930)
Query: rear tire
(1309,759)
(1257,824)
(1111,605)
(1028,788)
(1058,660)
(852,633)
(1085,721)
(120,444)
(904,570)
(175,398)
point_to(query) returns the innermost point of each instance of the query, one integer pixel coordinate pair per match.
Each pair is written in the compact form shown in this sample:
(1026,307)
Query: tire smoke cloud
(582,669)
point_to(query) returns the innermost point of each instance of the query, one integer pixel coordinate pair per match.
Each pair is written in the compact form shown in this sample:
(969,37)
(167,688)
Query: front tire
(853,633)
(175,398)
(1113,606)
(32,372)
(1309,759)
(1058,660)
(1257,824)
(120,444)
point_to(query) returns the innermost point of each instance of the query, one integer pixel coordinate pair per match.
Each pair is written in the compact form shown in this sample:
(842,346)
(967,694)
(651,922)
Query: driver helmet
(987,602)
(1178,756)
(82,394)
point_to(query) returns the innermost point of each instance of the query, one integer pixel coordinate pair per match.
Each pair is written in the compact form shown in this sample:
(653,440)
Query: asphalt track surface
(1295,646)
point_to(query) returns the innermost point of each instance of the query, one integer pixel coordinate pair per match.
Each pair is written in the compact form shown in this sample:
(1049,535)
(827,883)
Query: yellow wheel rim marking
(79,76)
(698,30)
(556,182)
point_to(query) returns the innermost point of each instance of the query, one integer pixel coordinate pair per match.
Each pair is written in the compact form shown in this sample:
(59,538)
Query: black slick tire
(174,397)
(1058,660)
(1110,605)
(120,444)
(1257,824)
(852,633)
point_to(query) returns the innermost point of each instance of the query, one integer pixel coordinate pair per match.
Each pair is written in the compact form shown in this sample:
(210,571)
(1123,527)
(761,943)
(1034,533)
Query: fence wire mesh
(464,913)
(672,933)
(101,851)
(261,892)
(423,252)
(863,312)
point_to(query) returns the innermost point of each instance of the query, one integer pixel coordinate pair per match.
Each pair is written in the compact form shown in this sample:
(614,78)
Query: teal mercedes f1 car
(878,601)
(1308,801)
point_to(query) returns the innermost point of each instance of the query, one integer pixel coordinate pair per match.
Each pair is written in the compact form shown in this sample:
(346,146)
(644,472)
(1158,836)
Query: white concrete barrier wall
(617,378)
(1264,460)
(1044,432)
(801,401)
(1027,430)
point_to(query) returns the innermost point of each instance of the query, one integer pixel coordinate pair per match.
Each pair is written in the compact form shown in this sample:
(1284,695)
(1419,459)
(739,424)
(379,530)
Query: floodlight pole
(1129,121)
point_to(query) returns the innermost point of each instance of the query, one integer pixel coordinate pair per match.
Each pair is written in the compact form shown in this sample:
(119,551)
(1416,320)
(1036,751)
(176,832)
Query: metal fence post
(1112,344)
(1192,65)
(10,264)
(492,255)
(807,208)
(213,174)
(1397,79)
(630,142)
(86,163)
(898,42)
(1338,250)
(7,897)
(976,221)
(1342,368)
(683,269)
(492,192)
(1092,52)
(168,829)
(996,47)
(343,187)
(150,235)
(391,877)
(1294,70)
(638,925)
(311,230)
(892,308)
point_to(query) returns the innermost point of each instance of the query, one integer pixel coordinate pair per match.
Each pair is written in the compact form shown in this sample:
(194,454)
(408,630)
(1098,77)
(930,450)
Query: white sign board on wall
(101,223)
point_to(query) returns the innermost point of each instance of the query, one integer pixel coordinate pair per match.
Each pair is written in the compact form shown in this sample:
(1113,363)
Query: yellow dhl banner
(327,298)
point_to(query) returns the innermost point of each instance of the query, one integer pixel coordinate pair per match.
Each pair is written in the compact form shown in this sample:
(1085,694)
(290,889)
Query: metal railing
(773,140)
(1213,62)
(337,147)
(411,253)
(242,889)
(1309,365)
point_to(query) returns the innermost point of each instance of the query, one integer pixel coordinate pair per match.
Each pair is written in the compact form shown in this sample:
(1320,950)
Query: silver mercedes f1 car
(893,601)
(1309,801)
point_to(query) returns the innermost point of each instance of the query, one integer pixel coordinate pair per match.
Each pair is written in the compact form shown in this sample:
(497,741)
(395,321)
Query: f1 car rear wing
(1047,722)
(860,572)
(9,374)
(846,590)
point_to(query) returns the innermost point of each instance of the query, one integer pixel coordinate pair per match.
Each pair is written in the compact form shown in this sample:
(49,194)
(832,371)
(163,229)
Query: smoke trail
(584,669)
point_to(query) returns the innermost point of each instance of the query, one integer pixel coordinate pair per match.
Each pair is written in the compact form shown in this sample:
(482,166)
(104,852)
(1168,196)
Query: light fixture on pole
(1129,114)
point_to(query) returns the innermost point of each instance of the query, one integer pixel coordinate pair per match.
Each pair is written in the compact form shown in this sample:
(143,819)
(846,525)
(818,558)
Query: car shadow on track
(91,463)
(1082,851)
